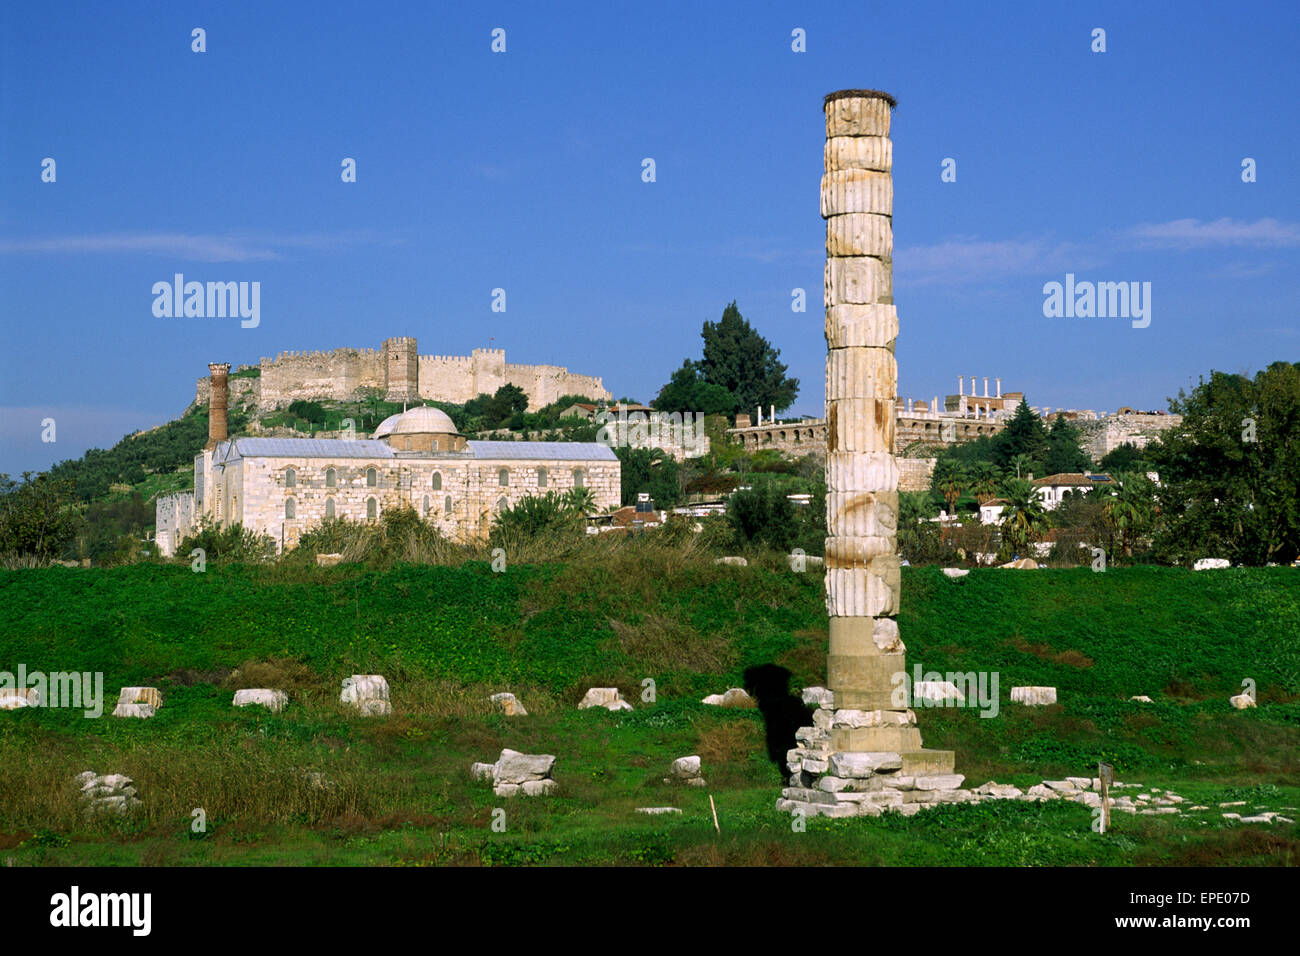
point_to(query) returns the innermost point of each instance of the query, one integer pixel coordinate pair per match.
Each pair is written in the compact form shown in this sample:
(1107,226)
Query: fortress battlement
(400,373)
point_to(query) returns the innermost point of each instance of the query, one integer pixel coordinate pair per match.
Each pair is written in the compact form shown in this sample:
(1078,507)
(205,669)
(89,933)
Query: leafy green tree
(38,515)
(1022,464)
(740,360)
(505,404)
(687,391)
(1064,454)
(1024,435)
(649,470)
(762,515)
(1228,471)
(1124,458)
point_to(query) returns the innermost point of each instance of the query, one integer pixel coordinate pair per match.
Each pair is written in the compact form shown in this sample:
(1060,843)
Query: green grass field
(398,789)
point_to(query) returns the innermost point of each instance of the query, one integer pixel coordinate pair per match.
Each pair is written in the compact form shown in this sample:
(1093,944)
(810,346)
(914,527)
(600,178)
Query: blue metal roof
(371,448)
(554,450)
(308,448)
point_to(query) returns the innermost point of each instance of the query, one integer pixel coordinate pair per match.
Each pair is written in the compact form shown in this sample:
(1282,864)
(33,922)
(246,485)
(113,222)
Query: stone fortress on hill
(401,374)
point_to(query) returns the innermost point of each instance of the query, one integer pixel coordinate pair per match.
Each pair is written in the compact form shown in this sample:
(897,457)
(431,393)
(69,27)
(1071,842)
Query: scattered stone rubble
(272,700)
(1211,564)
(138,702)
(733,697)
(509,704)
(515,773)
(685,770)
(111,793)
(368,693)
(18,699)
(1033,696)
(607,697)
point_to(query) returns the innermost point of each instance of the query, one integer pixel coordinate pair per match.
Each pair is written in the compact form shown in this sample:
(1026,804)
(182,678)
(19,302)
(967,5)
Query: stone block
(1242,701)
(140,710)
(818,697)
(539,788)
(861,672)
(861,373)
(874,471)
(941,781)
(607,697)
(874,718)
(141,695)
(860,425)
(873,739)
(858,280)
(1033,696)
(857,191)
(272,700)
(925,763)
(862,514)
(860,234)
(860,586)
(509,704)
(862,765)
(936,692)
(857,116)
(362,687)
(858,152)
(515,767)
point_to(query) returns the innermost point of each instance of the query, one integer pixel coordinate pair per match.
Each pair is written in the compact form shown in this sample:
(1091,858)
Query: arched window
(329,507)
(372,508)
(331,478)
(502,504)
(437,481)
(290,508)
(372,478)
(290,477)
(435,444)
(578,478)
(503,477)
(426,504)
(408,444)
(446,505)
(541,477)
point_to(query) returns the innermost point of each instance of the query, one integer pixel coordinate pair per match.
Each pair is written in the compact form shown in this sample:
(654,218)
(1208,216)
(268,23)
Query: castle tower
(489,370)
(218,401)
(401,370)
(864,752)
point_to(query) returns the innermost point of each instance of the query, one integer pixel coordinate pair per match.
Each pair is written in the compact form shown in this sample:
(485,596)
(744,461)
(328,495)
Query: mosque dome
(421,420)
(386,426)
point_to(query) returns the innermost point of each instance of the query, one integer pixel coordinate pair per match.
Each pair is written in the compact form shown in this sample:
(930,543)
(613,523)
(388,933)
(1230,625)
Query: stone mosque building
(282,487)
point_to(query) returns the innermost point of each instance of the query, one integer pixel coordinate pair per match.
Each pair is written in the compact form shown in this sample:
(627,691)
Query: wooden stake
(715,814)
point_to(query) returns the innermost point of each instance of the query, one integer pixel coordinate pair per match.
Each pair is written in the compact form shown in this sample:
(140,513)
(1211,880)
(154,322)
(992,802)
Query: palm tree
(581,500)
(1021,462)
(984,481)
(950,485)
(1024,518)
(1128,509)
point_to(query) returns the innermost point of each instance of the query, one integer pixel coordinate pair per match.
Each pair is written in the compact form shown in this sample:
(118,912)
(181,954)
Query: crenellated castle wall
(400,373)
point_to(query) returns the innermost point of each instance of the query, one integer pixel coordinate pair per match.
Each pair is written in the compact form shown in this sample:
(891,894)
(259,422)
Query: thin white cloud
(198,247)
(969,259)
(1194,233)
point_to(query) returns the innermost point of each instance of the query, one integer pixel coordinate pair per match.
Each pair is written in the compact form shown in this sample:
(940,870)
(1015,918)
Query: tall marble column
(864,751)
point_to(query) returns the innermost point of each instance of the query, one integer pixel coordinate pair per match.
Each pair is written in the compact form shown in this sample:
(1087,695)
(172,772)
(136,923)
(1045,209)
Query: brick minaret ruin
(863,754)
(218,399)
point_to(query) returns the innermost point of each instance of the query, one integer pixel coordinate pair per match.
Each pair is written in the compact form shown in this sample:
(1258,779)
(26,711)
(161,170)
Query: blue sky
(522,170)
